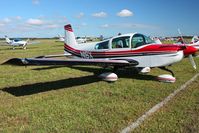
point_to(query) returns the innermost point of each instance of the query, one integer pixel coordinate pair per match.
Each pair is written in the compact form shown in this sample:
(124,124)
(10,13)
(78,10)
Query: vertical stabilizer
(69,36)
(8,40)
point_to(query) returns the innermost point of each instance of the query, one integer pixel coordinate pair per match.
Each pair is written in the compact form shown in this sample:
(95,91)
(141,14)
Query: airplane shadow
(47,68)
(36,88)
(122,73)
(31,89)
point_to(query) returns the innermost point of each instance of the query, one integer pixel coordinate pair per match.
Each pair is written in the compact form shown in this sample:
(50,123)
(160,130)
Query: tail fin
(8,40)
(69,35)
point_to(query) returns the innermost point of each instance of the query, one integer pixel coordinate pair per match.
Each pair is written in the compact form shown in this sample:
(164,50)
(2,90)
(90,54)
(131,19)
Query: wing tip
(14,61)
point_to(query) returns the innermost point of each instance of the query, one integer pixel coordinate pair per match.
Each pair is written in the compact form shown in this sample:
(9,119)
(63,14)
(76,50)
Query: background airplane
(195,39)
(78,39)
(195,42)
(81,39)
(17,42)
(156,40)
(61,38)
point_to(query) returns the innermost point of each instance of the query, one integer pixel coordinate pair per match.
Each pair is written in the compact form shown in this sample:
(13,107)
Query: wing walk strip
(155,108)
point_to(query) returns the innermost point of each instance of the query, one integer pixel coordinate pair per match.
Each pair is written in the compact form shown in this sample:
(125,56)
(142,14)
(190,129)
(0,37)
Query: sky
(46,18)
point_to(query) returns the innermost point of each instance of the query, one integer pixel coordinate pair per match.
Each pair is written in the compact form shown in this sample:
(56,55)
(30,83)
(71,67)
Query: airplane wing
(70,62)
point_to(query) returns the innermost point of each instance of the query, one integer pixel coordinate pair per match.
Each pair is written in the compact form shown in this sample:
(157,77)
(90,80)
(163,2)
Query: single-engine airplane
(17,42)
(127,50)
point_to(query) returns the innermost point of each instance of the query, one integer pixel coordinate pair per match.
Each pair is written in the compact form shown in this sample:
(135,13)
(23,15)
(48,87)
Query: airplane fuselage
(148,55)
(18,43)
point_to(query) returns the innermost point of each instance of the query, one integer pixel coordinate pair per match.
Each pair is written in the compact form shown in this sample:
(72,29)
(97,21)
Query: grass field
(62,99)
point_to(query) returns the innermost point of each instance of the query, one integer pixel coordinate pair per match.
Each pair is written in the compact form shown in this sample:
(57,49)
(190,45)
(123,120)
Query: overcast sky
(46,18)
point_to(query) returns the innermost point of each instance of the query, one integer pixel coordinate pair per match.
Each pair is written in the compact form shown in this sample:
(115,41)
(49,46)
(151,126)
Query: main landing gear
(166,69)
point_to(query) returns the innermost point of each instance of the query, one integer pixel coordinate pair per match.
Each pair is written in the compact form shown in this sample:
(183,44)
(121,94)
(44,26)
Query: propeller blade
(192,61)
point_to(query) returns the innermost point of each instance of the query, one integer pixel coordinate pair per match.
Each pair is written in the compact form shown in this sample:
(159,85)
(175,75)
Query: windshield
(140,40)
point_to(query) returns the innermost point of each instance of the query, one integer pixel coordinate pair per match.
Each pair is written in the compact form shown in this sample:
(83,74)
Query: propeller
(192,61)
(190,55)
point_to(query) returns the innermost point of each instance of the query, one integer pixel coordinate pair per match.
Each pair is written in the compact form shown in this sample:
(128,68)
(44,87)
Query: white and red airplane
(127,50)
(17,42)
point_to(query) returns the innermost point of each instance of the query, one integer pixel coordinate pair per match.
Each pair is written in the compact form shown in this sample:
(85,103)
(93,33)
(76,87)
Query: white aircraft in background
(61,38)
(78,39)
(195,42)
(195,39)
(17,42)
(81,39)
(156,40)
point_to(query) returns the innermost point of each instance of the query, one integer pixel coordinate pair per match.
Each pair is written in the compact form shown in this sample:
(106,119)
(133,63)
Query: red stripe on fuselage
(150,49)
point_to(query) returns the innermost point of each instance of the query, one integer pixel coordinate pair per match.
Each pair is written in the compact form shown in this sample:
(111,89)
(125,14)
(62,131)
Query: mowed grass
(180,115)
(63,99)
